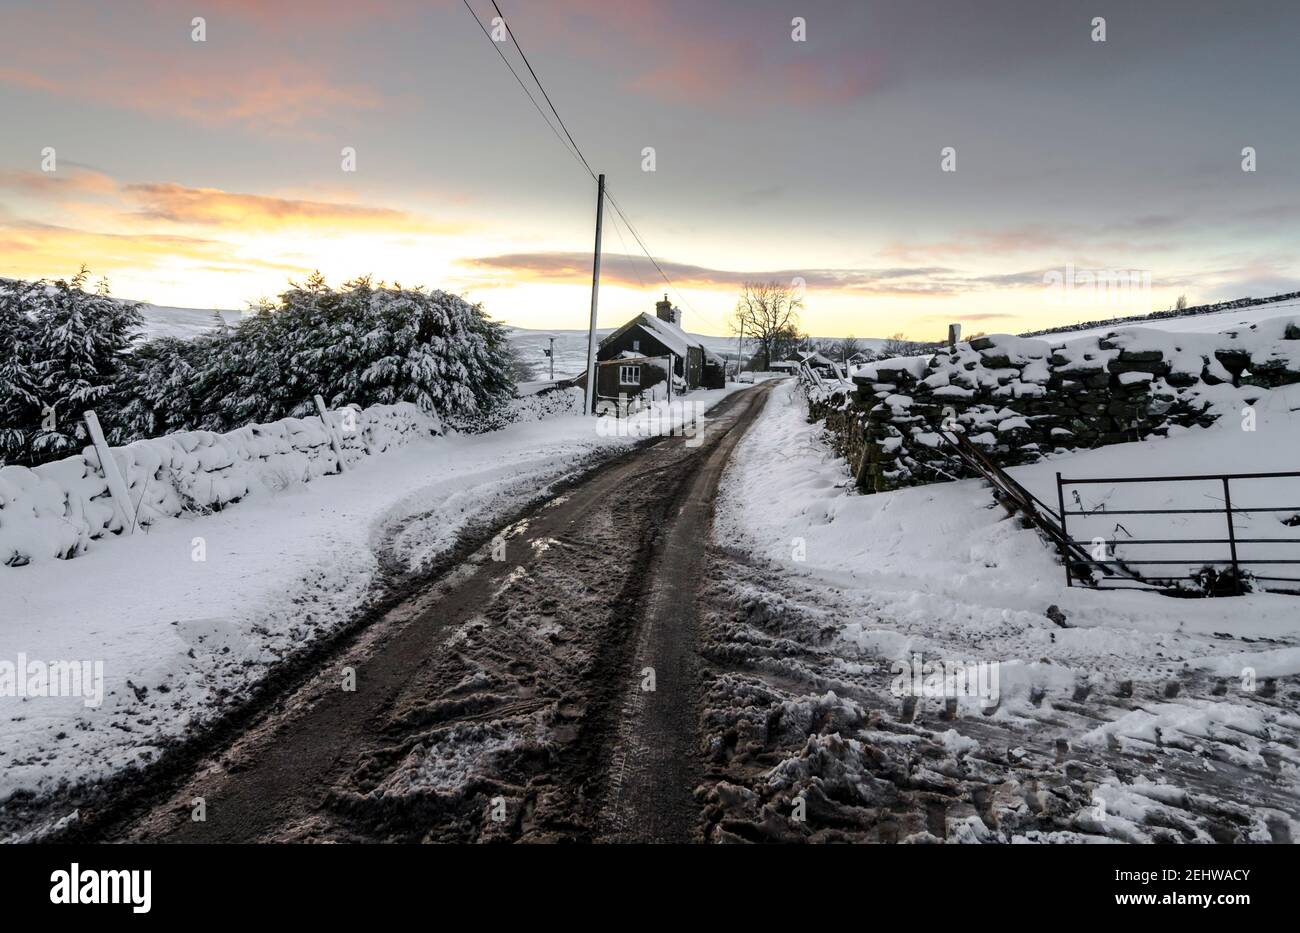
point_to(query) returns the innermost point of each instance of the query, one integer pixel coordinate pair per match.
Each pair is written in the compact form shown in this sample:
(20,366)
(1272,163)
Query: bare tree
(521,369)
(849,346)
(900,345)
(768,314)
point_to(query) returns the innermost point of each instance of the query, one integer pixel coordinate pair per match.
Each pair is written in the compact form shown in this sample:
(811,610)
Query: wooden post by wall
(329,427)
(117,488)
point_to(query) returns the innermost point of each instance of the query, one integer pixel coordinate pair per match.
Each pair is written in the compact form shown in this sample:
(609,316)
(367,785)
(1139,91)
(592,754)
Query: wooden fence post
(329,428)
(117,489)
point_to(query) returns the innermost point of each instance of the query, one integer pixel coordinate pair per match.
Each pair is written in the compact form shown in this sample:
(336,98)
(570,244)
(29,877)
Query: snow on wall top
(57,509)
(1267,344)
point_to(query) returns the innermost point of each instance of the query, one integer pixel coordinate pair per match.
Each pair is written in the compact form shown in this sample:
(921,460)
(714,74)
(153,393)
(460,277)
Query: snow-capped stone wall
(1019,398)
(55,510)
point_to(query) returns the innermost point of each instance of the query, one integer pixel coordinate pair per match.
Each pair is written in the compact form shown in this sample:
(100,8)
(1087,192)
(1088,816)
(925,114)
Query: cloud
(36,250)
(983,242)
(635,271)
(281,97)
(168,202)
(213,207)
(294,15)
(970,317)
(237,78)
(686,52)
(71,178)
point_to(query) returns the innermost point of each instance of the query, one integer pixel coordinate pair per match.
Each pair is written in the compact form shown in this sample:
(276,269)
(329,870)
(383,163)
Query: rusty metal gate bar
(1228,510)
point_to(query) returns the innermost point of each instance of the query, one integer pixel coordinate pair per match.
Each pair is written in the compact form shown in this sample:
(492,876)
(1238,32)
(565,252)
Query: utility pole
(551,354)
(740,348)
(595,293)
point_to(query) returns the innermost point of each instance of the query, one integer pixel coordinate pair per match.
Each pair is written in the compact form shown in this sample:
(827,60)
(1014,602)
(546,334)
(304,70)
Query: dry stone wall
(57,509)
(1019,398)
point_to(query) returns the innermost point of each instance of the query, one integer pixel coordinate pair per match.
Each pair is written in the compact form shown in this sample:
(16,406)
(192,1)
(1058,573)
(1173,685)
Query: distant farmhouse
(812,359)
(818,361)
(639,354)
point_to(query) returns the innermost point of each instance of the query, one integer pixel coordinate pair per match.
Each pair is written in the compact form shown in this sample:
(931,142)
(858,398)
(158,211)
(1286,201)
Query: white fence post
(117,489)
(329,427)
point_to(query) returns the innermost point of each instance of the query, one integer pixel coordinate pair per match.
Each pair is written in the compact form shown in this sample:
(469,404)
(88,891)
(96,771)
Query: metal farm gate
(1232,561)
(1226,570)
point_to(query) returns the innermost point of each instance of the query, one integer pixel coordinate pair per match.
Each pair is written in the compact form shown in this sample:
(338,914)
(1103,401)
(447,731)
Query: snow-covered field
(1193,323)
(939,571)
(183,323)
(180,638)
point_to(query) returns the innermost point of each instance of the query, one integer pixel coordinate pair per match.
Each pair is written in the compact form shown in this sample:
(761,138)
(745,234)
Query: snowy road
(697,642)
(494,704)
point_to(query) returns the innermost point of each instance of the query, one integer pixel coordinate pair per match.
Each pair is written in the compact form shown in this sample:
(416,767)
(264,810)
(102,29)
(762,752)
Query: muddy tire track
(488,705)
(808,743)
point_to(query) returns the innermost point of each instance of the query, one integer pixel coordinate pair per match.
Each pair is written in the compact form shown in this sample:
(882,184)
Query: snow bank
(57,509)
(1119,716)
(938,570)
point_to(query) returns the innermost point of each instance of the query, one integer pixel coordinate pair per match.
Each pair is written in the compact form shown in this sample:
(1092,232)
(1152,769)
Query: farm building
(660,334)
(628,376)
(810,358)
(819,362)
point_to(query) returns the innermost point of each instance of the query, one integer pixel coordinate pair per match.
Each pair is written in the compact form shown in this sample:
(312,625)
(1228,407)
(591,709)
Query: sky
(802,141)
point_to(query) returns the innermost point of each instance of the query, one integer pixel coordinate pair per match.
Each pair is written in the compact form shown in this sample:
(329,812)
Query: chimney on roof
(665,311)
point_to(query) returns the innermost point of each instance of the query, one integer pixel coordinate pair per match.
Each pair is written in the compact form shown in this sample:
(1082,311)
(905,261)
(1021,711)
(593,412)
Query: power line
(536,106)
(511,33)
(637,236)
(572,147)
(618,228)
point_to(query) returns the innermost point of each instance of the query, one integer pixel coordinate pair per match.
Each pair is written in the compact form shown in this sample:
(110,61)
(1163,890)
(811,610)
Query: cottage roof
(670,335)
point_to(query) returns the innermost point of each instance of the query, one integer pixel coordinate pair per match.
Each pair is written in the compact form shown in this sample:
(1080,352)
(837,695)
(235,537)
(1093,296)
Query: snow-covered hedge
(56,509)
(64,350)
(542,405)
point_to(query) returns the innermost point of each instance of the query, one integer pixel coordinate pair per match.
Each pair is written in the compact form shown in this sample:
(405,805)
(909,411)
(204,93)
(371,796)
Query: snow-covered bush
(362,344)
(157,391)
(63,349)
